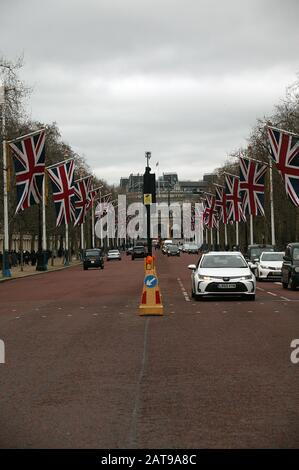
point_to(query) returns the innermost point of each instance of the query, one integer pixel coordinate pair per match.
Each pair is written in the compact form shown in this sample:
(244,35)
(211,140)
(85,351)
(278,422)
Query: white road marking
(259,288)
(82,308)
(271,293)
(276,311)
(44,316)
(70,315)
(18,317)
(250,311)
(184,292)
(13,310)
(277,283)
(284,298)
(95,314)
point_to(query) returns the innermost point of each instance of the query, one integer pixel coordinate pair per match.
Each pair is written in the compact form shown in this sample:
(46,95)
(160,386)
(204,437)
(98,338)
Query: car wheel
(293,285)
(102,267)
(85,268)
(285,285)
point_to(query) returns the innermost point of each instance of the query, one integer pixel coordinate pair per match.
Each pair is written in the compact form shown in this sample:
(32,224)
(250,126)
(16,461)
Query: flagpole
(5,263)
(273,242)
(237,234)
(82,237)
(42,257)
(225,235)
(67,259)
(211,237)
(218,238)
(251,229)
(92,226)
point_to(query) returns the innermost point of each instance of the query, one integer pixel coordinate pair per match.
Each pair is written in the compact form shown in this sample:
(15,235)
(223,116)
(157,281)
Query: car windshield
(223,261)
(113,252)
(173,247)
(194,247)
(92,253)
(272,257)
(296,253)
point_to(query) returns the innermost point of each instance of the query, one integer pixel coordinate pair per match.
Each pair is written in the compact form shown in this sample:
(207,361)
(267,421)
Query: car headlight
(296,269)
(204,278)
(262,266)
(244,278)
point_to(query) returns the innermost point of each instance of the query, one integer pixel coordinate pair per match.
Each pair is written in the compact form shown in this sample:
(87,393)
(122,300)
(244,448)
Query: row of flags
(243,194)
(72,199)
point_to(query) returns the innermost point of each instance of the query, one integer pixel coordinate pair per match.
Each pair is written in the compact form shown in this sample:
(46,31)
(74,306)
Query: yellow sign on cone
(151,301)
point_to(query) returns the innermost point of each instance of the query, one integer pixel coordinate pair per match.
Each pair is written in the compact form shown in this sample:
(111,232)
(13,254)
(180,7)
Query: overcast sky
(184,79)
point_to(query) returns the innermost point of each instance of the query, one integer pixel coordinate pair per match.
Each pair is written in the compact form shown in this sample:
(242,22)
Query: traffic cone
(151,299)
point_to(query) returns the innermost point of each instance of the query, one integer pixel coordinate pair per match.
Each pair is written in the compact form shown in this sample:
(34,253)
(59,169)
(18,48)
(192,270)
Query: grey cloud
(185,79)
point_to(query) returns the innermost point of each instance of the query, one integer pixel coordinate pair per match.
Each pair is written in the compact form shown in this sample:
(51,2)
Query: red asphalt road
(84,370)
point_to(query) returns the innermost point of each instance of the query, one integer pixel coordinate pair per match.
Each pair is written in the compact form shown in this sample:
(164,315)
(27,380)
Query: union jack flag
(81,200)
(252,186)
(210,213)
(93,194)
(284,149)
(221,203)
(29,163)
(62,179)
(104,206)
(233,198)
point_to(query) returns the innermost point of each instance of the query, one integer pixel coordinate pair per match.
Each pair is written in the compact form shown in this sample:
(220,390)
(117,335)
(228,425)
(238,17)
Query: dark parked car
(290,266)
(173,250)
(138,252)
(93,258)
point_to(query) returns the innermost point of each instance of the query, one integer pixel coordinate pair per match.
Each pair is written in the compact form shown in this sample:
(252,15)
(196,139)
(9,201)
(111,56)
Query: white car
(270,265)
(222,273)
(113,254)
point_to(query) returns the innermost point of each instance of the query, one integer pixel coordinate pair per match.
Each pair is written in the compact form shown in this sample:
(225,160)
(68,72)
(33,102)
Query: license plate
(227,286)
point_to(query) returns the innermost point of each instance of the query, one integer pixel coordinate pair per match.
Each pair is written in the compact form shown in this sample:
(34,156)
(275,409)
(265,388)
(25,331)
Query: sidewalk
(29,270)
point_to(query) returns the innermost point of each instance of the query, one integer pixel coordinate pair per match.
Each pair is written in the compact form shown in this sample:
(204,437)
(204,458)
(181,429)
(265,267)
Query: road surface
(84,370)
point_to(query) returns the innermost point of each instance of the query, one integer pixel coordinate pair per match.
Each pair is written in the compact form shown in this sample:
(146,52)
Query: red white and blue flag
(29,163)
(252,186)
(210,214)
(81,200)
(62,179)
(233,198)
(221,203)
(284,149)
(93,194)
(104,206)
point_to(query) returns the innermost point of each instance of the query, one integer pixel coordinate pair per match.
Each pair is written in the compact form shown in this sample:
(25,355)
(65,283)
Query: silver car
(222,273)
(270,265)
(113,254)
